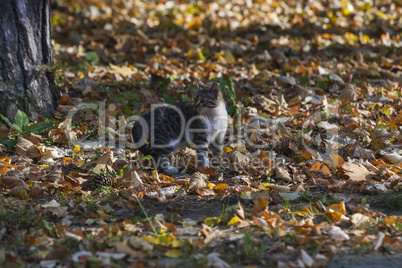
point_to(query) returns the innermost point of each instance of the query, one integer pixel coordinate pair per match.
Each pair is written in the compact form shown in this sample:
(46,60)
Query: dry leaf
(197,181)
(19,192)
(355,172)
(27,148)
(9,182)
(260,205)
(337,233)
(4,132)
(360,220)
(282,174)
(205,192)
(220,188)
(349,93)
(240,210)
(380,139)
(238,160)
(123,71)
(206,170)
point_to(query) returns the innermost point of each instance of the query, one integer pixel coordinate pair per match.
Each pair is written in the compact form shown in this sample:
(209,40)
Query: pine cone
(97,182)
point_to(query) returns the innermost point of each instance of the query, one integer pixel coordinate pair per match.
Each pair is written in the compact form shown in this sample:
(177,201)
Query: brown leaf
(35,191)
(34,138)
(336,160)
(58,253)
(4,132)
(197,181)
(349,93)
(19,192)
(355,172)
(27,148)
(10,182)
(238,160)
(206,170)
(239,189)
(380,139)
(205,192)
(260,205)
(65,100)
(170,227)
(282,174)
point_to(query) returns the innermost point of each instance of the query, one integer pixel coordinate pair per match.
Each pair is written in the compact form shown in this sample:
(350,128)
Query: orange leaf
(337,160)
(315,166)
(220,187)
(3,170)
(170,227)
(265,159)
(336,211)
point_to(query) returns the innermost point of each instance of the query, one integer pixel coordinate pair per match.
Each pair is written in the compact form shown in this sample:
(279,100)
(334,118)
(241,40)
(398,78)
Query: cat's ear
(200,84)
(215,89)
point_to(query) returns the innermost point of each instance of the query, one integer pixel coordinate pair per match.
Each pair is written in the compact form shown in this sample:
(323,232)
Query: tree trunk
(25,43)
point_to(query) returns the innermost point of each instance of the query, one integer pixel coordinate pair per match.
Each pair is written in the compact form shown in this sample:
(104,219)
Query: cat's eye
(202,101)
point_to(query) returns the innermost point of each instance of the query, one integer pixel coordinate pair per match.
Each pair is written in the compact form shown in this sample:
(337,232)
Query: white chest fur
(216,120)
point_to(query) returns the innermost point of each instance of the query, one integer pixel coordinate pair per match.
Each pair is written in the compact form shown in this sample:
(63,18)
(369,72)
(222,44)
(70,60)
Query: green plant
(21,126)
(146,216)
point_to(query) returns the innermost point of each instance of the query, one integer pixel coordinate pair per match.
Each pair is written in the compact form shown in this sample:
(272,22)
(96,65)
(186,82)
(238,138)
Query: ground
(310,175)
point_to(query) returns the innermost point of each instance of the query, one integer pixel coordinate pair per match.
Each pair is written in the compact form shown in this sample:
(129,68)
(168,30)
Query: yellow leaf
(165,178)
(176,243)
(233,221)
(387,109)
(210,185)
(77,148)
(151,239)
(200,55)
(173,253)
(5,161)
(227,150)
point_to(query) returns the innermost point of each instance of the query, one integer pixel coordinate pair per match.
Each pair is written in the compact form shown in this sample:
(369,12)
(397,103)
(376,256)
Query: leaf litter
(311,171)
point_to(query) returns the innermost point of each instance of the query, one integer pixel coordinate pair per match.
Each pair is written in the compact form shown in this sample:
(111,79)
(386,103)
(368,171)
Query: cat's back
(171,114)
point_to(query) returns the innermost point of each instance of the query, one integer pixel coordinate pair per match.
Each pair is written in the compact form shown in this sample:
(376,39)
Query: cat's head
(208,96)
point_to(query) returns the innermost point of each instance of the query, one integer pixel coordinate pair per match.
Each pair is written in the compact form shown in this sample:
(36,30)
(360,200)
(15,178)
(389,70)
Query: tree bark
(25,43)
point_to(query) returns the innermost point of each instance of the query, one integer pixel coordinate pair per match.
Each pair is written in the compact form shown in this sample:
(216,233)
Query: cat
(201,124)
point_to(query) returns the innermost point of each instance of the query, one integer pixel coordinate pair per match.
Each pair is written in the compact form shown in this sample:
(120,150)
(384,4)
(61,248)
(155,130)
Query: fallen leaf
(355,172)
(360,220)
(197,181)
(260,205)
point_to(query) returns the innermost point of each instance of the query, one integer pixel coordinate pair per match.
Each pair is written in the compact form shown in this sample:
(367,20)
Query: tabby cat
(200,124)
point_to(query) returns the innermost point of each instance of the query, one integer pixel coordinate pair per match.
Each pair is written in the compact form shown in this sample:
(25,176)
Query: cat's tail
(139,139)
